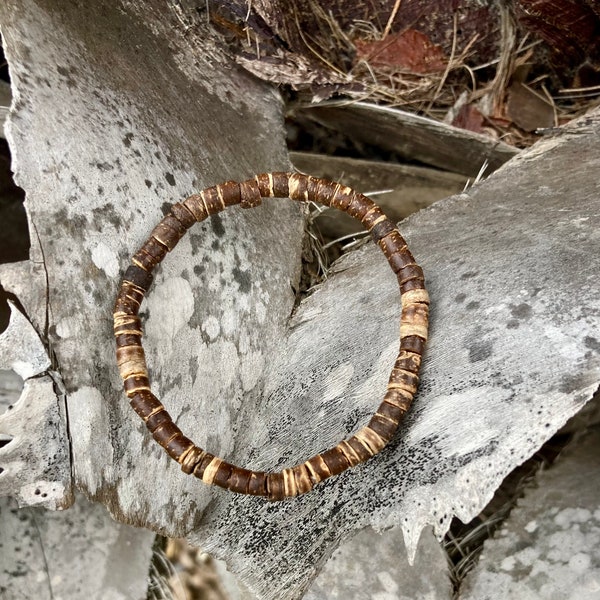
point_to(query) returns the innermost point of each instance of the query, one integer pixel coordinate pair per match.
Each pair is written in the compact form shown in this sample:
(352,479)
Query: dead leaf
(410,50)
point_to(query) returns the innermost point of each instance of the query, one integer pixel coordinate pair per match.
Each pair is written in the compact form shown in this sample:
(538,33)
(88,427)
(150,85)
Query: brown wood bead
(359,206)
(360,448)
(341,198)
(351,456)
(383,427)
(126,305)
(275,486)
(413,343)
(223,474)
(183,215)
(297,185)
(178,445)
(335,460)
(202,464)
(400,399)
(167,235)
(165,432)
(390,411)
(239,480)
(155,249)
(191,458)
(157,419)
(144,260)
(145,403)
(280,188)
(229,192)
(374,441)
(373,217)
(135,384)
(128,339)
(127,324)
(212,200)
(264,181)
(257,486)
(312,188)
(139,277)
(412,284)
(195,204)
(391,243)
(249,194)
(403,379)
(410,272)
(401,259)
(381,229)
(211,470)
(408,361)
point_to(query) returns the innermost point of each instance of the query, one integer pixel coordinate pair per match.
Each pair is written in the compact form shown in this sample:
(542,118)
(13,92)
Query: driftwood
(122,109)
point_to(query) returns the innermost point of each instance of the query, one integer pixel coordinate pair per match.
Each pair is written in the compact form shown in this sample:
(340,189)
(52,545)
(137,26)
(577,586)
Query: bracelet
(403,380)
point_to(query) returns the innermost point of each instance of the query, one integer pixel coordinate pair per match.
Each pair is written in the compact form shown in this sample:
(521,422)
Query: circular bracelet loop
(403,380)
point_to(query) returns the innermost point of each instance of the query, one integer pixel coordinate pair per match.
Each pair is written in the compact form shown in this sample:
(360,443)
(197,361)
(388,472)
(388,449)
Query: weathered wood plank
(414,137)
(405,188)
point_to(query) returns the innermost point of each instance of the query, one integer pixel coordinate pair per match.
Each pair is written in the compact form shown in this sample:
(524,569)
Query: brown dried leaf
(469,117)
(410,50)
(527,109)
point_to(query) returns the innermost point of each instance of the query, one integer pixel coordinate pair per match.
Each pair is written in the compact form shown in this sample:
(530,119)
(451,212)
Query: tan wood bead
(131,361)
(371,439)
(317,469)
(303,481)
(419,296)
(298,187)
(415,321)
(403,380)
(290,488)
(211,469)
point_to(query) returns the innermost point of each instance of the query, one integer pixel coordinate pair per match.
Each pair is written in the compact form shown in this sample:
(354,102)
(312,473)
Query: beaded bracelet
(403,380)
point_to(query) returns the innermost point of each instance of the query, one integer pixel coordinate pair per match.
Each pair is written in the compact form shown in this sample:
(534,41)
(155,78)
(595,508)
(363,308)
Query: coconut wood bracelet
(403,380)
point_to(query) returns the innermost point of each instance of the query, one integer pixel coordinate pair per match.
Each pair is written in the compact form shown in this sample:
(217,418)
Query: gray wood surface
(125,108)
(413,137)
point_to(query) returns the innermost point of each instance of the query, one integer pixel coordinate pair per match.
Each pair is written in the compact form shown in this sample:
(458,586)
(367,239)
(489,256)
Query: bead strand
(403,380)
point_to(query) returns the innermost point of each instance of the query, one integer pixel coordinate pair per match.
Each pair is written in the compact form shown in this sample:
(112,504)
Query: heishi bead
(213,200)
(183,215)
(196,206)
(249,194)
(403,380)
(229,192)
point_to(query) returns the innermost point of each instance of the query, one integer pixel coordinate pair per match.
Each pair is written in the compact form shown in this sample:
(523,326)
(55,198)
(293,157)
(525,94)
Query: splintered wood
(403,380)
